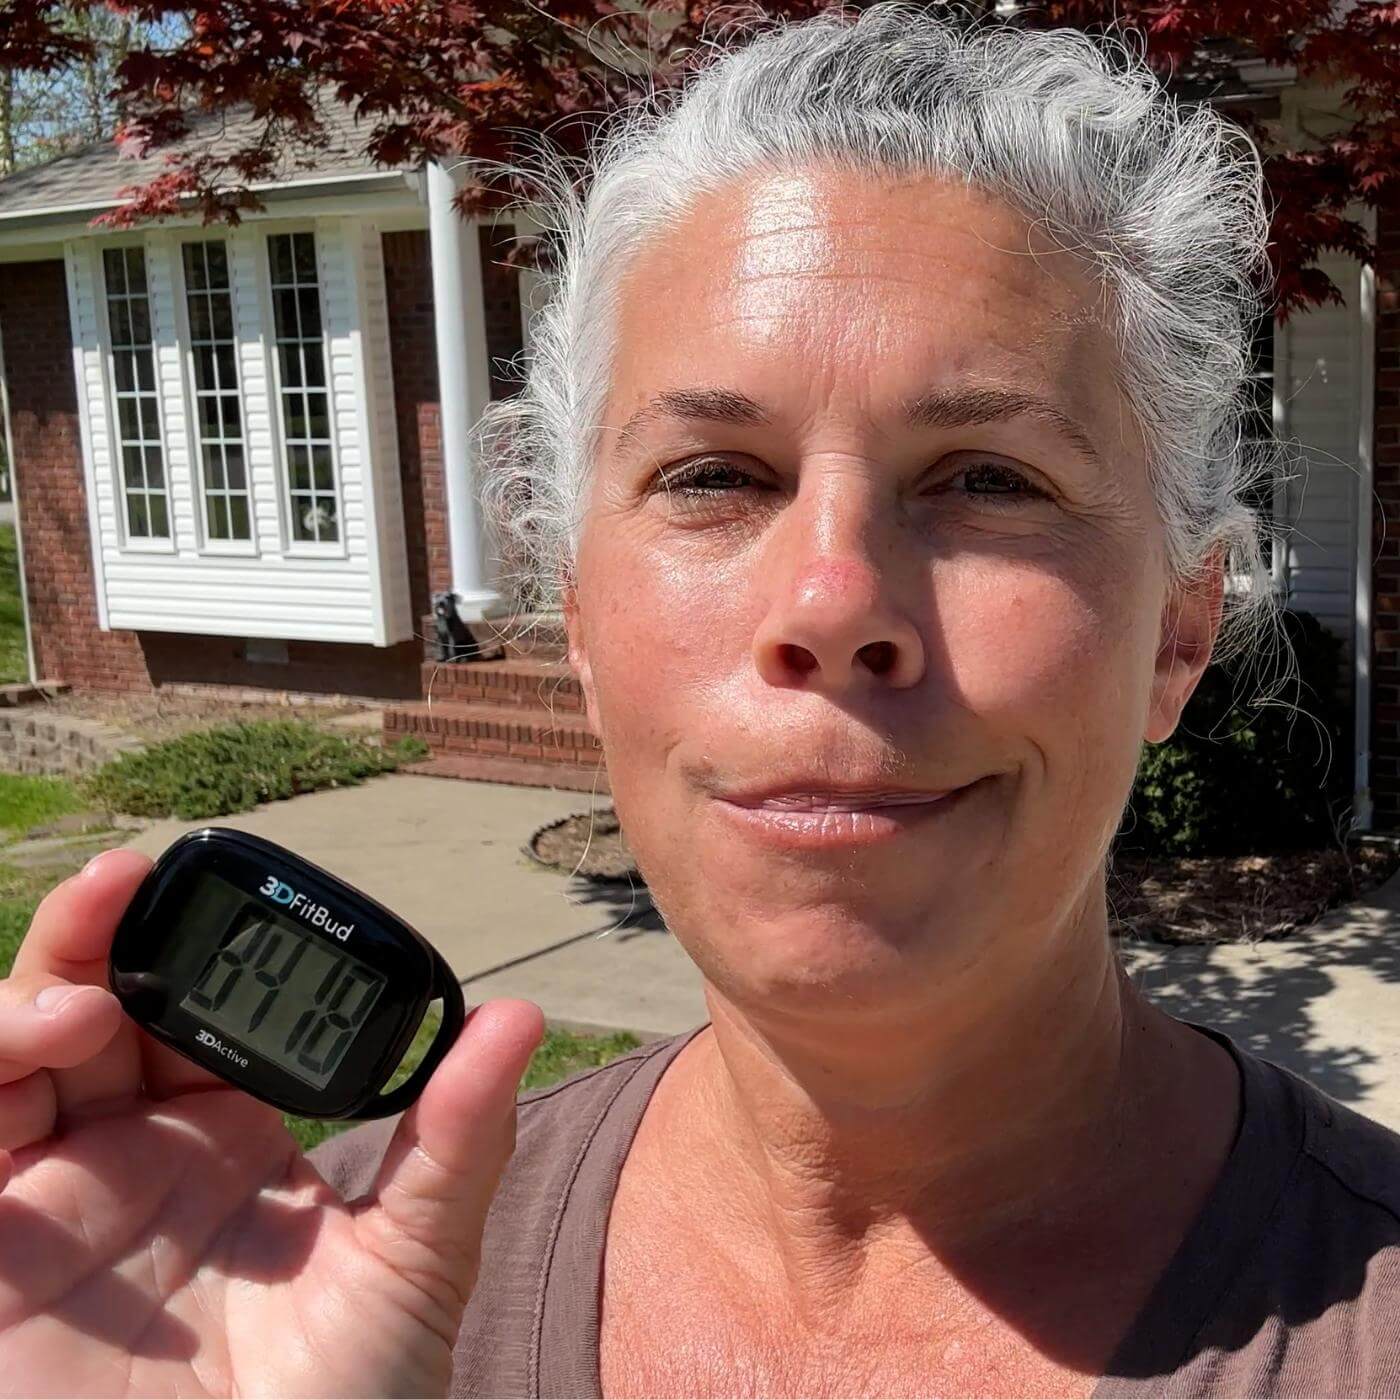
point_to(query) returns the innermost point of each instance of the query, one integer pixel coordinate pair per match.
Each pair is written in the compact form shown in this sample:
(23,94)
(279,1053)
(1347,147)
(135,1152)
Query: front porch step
(546,685)
(528,636)
(454,726)
(509,720)
(483,768)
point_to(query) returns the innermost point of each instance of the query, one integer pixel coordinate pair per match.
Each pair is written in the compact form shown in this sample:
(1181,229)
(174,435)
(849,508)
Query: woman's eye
(710,477)
(1003,484)
(997,483)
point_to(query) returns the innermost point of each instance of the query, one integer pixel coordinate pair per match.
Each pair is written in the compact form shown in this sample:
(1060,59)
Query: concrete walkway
(446,856)
(1326,1005)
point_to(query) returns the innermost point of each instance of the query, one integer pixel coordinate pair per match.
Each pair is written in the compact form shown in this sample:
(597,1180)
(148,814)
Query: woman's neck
(999,1131)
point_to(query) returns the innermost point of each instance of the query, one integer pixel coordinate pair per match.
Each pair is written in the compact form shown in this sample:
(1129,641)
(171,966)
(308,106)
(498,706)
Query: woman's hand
(160,1232)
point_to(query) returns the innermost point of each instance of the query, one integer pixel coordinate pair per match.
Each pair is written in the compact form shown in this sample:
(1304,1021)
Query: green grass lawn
(14,664)
(20,893)
(27,802)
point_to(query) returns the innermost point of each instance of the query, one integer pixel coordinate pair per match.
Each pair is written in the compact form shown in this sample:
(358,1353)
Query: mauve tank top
(1287,1284)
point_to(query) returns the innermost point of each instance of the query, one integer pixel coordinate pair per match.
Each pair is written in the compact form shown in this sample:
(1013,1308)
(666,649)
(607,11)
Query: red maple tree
(432,78)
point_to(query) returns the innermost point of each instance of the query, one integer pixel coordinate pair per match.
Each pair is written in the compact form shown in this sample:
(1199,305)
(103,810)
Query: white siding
(1322,385)
(356,591)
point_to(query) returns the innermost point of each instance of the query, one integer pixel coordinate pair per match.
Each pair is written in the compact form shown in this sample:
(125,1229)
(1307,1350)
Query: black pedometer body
(278,977)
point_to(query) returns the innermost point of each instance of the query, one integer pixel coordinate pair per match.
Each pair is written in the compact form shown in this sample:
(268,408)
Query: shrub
(1252,768)
(234,767)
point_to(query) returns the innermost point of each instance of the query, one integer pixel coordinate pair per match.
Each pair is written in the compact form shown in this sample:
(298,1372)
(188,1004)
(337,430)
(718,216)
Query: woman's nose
(834,625)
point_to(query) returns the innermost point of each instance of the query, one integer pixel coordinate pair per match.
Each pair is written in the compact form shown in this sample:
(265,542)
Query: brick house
(240,456)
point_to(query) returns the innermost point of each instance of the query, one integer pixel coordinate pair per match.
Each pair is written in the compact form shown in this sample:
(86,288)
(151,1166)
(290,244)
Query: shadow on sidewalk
(1265,995)
(629,908)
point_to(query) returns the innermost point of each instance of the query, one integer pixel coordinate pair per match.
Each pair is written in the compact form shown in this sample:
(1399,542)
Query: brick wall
(48,469)
(315,668)
(48,473)
(504,336)
(1385,541)
(409,282)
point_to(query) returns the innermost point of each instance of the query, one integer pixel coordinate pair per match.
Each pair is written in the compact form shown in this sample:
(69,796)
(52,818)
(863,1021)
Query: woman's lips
(845,802)
(815,822)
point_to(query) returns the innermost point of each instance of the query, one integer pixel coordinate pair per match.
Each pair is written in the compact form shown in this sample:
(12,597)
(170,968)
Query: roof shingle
(90,177)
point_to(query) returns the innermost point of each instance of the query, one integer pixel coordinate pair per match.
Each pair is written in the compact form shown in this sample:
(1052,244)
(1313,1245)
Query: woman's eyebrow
(945,407)
(698,406)
(967,406)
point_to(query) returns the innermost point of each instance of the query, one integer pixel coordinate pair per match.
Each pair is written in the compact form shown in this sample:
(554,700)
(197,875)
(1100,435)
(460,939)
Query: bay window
(238,430)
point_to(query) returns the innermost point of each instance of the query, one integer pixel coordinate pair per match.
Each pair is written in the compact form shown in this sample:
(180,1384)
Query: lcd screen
(284,994)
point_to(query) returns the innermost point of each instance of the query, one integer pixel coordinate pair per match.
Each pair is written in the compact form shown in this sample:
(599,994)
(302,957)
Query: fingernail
(53,999)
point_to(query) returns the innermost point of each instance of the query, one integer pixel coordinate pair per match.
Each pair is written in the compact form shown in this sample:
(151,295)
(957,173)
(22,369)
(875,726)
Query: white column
(464,387)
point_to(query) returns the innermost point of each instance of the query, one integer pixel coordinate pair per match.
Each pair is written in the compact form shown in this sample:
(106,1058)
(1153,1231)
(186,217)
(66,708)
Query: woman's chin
(832,970)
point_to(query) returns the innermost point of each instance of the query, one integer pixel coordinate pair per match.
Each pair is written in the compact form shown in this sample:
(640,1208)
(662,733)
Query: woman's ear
(1190,625)
(578,655)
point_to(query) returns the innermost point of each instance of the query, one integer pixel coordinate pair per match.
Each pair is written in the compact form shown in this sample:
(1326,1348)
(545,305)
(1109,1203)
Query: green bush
(234,767)
(1253,767)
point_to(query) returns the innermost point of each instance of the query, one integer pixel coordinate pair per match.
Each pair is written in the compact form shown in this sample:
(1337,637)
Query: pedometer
(280,978)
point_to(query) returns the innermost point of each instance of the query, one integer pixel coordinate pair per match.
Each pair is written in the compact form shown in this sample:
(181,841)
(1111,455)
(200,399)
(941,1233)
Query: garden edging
(35,740)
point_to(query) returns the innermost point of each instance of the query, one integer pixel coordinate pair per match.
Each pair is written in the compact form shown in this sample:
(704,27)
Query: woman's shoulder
(1345,1157)
(1289,1283)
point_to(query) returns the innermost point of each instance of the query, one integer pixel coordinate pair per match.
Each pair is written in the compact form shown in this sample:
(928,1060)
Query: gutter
(65,213)
(1362,807)
(19,528)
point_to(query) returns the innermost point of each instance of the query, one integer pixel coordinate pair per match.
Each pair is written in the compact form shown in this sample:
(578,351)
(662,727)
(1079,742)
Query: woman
(882,441)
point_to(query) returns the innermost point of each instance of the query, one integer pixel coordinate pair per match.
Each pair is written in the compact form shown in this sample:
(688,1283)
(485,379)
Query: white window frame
(291,546)
(1278,503)
(207,544)
(136,544)
(1277,562)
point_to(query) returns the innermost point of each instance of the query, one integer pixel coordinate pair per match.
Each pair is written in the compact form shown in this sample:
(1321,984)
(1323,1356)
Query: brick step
(453,726)
(527,636)
(546,685)
(484,768)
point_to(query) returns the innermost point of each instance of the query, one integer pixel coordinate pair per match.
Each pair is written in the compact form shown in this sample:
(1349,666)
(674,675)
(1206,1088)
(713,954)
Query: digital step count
(280,978)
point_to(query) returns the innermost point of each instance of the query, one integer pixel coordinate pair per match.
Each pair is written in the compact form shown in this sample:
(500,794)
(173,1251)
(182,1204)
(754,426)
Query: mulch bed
(1231,899)
(591,845)
(1222,899)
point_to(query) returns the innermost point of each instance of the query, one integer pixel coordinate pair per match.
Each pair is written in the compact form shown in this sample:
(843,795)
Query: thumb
(446,1157)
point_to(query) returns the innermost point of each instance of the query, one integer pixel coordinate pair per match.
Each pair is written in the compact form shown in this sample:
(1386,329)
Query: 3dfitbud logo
(317,915)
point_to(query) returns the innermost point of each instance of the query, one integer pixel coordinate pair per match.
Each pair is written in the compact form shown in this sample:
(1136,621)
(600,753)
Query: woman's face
(889,527)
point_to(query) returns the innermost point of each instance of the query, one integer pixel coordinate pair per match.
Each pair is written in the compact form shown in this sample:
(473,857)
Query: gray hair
(1164,201)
